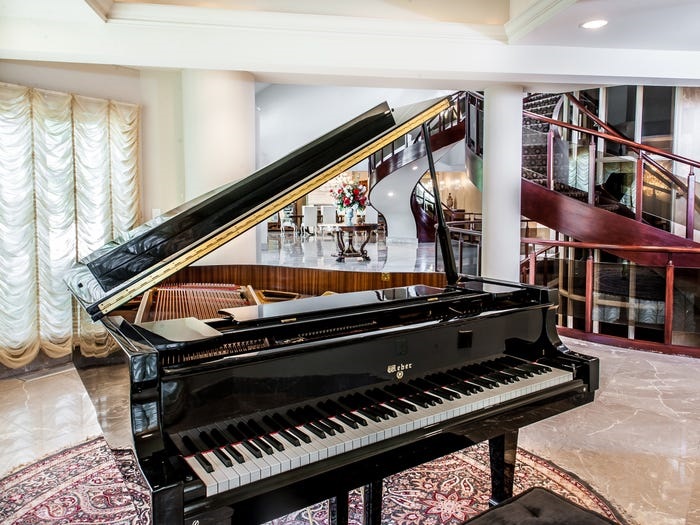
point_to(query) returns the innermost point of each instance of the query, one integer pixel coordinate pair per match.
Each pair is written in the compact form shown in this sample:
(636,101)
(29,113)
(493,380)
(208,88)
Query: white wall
(290,116)
(111,82)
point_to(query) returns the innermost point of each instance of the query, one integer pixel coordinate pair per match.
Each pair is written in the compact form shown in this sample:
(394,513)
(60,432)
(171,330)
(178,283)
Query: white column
(163,174)
(218,113)
(500,254)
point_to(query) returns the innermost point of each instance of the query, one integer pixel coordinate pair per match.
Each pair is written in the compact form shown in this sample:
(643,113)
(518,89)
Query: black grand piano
(271,407)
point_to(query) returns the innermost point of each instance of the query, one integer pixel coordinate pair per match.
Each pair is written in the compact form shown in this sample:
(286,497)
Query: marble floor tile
(638,442)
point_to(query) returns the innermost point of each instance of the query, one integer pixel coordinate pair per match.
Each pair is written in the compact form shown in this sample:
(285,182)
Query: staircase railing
(620,296)
(645,164)
(602,299)
(448,118)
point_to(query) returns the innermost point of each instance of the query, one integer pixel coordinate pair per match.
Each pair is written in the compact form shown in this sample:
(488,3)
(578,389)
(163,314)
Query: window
(68,185)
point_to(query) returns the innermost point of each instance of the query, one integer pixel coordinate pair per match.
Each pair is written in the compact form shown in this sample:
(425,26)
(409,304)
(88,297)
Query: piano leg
(373,503)
(502,450)
(338,510)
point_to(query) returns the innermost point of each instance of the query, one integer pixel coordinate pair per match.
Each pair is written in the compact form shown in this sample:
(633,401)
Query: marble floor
(638,443)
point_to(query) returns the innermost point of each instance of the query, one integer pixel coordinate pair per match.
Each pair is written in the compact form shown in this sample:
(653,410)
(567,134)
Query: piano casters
(348,250)
(502,451)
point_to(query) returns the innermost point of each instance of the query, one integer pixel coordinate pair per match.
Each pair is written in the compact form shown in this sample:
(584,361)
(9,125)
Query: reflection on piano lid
(329,303)
(126,267)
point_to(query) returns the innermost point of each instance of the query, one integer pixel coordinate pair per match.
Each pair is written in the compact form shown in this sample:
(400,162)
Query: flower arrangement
(350,195)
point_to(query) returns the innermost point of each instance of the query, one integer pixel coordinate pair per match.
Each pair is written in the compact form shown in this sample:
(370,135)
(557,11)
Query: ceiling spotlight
(594,24)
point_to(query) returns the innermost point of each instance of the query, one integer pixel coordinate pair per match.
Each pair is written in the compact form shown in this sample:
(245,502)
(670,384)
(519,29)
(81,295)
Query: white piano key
(219,473)
(210,483)
(319,449)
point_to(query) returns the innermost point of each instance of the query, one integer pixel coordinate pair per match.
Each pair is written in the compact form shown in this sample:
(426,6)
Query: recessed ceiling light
(594,24)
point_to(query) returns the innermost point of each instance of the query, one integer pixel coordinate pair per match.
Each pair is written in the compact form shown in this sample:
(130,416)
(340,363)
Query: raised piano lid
(145,256)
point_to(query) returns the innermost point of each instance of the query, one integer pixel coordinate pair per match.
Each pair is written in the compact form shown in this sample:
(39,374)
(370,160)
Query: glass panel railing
(625,299)
(628,301)
(686,307)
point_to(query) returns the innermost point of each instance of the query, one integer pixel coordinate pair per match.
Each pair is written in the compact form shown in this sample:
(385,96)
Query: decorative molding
(196,17)
(534,16)
(101,7)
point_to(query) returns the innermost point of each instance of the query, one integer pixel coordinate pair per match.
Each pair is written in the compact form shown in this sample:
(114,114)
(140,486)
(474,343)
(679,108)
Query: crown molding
(101,7)
(200,18)
(534,16)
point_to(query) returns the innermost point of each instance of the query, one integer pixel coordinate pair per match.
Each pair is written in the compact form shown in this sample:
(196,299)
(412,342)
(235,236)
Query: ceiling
(633,24)
(446,44)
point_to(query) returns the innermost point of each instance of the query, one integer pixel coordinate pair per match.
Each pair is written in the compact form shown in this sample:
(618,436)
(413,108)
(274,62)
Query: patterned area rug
(455,488)
(91,484)
(86,484)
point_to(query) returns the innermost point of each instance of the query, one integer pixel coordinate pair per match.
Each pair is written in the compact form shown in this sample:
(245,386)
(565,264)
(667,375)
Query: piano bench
(538,506)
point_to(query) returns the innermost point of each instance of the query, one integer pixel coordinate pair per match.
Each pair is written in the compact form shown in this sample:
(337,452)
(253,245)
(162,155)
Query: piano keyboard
(234,453)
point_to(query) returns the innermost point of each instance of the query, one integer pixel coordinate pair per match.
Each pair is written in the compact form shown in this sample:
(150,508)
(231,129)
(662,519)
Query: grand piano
(267,408)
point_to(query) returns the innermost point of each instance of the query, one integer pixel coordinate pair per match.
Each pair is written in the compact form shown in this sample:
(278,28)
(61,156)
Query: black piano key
(420,394)
(535,368)
(303,421)
(262,445)
(369,414)
(433,389)
(246,430)
(370,406)
(349,412)
(344,413)
(231,450)
(207,440)
(274,442)
(271,423)
(408,395)
(300,434)
(314,430)
(252,449)
(222,457)
(378,395)
(291,428)
(189,444)
(253,438)
(274,426)
(289,437)
(235,433)
(332,425)
(204,462)
(462,388)
(318,420)
(400,406)
(218,437)
(337,412)
(255,426)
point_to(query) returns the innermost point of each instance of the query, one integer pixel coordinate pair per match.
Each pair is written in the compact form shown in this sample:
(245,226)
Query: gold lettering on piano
(398,369)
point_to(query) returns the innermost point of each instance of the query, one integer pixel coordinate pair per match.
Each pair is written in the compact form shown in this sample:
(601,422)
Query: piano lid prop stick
(442,232)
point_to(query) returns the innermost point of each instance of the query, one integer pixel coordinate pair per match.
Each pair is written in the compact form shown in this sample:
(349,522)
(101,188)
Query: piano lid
(148,254)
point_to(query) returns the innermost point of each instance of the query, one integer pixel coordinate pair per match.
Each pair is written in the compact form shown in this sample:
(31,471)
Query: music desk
(347,249)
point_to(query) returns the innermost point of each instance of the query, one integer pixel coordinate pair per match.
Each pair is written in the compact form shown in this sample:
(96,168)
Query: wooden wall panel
(308,281)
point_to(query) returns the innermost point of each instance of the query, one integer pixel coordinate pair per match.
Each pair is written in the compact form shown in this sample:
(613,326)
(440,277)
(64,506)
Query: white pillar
(163,174)
(500,256)
(218,114)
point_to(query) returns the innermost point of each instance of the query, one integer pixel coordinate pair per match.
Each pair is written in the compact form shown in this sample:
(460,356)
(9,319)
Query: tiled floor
(638,443)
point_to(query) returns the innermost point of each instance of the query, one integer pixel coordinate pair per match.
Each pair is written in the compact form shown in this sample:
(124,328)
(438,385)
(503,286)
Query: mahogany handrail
(612,247)
(609,129)
(608,136)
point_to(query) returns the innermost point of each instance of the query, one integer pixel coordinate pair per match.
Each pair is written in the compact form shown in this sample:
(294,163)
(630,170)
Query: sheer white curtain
(68,185)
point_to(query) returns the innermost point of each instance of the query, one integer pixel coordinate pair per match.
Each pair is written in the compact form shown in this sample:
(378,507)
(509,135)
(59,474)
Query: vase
(349,214)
